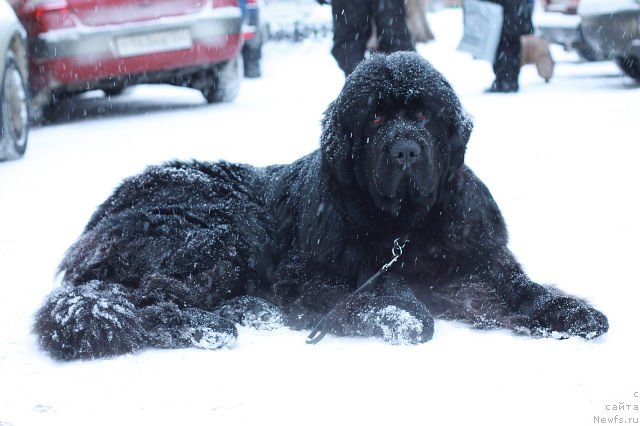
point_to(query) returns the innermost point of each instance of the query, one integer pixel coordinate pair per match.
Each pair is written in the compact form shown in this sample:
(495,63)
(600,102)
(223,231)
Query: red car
(81,45)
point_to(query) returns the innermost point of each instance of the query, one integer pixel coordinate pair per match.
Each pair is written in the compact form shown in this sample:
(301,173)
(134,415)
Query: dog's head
(397,131)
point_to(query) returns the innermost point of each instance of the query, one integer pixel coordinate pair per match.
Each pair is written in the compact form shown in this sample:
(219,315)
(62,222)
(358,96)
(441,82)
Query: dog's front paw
(570,317)
(399,326)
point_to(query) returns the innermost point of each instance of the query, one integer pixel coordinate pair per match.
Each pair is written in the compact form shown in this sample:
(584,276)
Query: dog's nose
(405,152)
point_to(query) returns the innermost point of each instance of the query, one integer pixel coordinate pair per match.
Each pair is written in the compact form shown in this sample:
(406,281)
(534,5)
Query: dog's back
(177,235)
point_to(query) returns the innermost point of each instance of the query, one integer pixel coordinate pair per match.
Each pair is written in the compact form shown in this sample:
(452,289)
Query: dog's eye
(422,116)
(377,119)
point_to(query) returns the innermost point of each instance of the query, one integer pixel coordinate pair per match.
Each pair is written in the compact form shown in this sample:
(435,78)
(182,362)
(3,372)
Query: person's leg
(251,55)
(393,33)
(351,30)
(507,65)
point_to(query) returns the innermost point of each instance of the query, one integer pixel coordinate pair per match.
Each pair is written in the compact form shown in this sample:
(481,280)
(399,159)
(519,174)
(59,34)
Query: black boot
(252,69)
(502,87)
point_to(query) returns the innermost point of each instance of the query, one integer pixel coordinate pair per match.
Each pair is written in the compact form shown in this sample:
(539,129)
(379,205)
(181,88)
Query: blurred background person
(516,23)
(352,28)
(416,18)
(252,47)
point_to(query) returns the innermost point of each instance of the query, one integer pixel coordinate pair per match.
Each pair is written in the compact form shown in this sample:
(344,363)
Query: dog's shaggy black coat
(184,251)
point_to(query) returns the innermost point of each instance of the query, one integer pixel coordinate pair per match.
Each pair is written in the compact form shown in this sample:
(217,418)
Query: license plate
(160,41)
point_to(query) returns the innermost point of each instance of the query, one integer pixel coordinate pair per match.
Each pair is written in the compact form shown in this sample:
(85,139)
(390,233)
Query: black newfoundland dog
(183,252)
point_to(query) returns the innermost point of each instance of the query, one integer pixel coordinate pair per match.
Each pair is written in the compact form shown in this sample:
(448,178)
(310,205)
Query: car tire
(226,82)
(630,65)
(116,90)
(584,49)
(14,111)
(587,53)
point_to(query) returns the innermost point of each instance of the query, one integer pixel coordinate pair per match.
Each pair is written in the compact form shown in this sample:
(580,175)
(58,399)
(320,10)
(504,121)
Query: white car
(14,111)
(558,21)
(612,28)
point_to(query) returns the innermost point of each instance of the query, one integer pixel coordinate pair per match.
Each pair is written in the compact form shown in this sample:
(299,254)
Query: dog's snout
(405,152)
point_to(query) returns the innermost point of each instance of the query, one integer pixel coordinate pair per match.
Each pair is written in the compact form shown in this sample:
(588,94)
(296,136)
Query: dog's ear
(459,135)
(335,145)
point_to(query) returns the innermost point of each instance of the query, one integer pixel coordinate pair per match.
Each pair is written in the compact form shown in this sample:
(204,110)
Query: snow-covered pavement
(561,159)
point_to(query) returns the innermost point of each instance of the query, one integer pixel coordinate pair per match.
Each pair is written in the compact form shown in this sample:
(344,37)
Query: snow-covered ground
(560,158)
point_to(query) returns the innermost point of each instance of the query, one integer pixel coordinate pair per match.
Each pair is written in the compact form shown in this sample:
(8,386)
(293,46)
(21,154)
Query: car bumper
(614,35)
(74,56)
(559,28)
(567,37)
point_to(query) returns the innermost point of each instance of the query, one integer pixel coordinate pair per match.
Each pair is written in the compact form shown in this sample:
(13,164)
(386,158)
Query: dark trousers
(352,28)
(506,66)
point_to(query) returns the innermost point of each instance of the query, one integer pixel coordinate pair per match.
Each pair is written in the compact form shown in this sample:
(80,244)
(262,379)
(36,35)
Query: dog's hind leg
(93,320)
(101,319)
(169,326)
(251,311)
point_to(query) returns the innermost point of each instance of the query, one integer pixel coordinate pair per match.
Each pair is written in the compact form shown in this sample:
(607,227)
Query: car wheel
(226,83)
(14,111)
(115,90)
(630,65)
(587,53)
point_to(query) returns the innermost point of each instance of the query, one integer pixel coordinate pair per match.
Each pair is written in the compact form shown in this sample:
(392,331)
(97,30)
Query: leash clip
(396,252)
